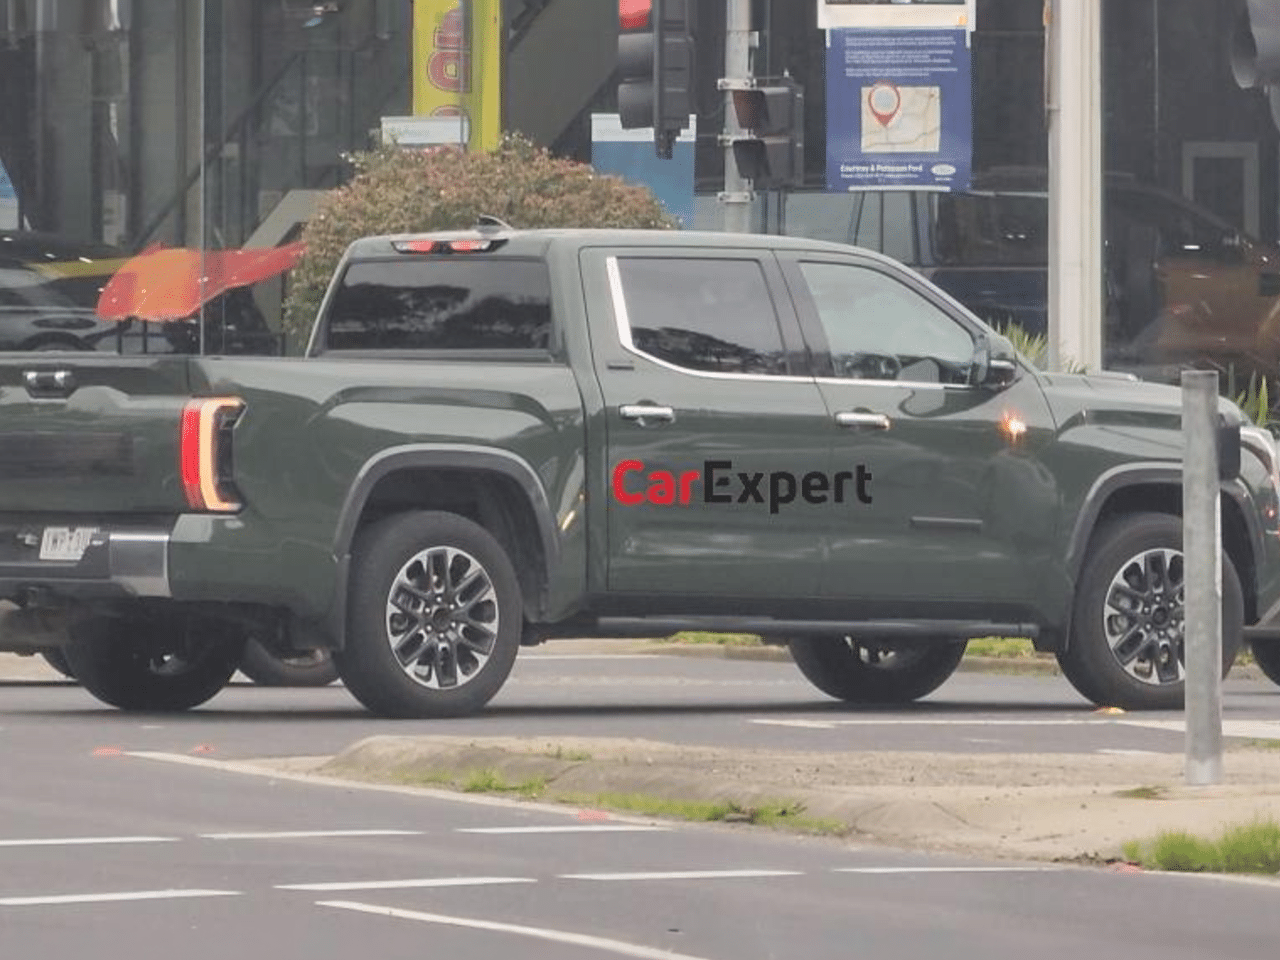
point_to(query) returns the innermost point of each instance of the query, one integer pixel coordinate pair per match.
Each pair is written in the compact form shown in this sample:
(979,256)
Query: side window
(898,228)
(878,328)
(709,315)
(438,304)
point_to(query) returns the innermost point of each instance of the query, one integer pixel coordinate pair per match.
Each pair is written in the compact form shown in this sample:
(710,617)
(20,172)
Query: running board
(954,630)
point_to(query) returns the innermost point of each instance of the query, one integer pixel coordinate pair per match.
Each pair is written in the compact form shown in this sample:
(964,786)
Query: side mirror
(995,362)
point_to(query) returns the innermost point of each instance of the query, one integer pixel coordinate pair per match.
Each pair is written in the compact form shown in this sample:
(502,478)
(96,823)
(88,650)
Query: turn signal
(205,454)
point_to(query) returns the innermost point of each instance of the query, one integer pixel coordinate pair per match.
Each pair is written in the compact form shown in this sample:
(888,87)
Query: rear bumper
(126,562)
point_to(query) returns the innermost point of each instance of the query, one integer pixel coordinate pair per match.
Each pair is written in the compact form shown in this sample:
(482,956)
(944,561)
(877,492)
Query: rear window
(980,230)
(441,304)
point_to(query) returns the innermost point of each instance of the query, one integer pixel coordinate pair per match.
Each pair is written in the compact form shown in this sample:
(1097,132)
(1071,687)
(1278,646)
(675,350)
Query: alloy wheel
(442,618)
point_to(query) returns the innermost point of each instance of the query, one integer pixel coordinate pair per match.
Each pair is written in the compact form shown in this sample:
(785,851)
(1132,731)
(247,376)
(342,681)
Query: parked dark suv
(1182,285)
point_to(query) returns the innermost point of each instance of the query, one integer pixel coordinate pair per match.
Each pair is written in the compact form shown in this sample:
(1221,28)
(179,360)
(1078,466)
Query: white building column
(1076,298)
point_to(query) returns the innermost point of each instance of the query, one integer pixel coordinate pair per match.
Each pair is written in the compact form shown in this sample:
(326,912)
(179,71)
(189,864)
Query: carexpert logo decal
(718,482)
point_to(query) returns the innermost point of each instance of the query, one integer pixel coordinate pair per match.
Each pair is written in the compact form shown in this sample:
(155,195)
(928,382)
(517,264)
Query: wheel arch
(1157,488)
(495,488)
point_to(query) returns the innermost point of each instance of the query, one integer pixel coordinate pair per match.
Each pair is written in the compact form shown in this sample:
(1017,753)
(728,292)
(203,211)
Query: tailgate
(91,435)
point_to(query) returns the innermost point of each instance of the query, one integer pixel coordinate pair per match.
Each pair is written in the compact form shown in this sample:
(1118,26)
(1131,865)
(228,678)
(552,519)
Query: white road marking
(405,884)
(1130,753)
(1254,729)
(683,875)
(880,870)
(307,834)
(114,897)
(81,841)
(939,722)
(585,828)
(620,947)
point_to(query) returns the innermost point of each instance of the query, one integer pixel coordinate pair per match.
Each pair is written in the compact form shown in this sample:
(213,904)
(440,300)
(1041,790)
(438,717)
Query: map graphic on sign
(901,119)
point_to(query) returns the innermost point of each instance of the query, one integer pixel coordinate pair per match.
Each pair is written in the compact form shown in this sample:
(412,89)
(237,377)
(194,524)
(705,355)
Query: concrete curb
(1053,807)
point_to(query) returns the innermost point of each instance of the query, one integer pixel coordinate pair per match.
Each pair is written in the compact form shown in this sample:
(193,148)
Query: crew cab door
(954,502)
(703,377)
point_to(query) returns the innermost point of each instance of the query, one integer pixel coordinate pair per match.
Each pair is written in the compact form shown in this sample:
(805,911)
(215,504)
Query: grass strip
(1252,848)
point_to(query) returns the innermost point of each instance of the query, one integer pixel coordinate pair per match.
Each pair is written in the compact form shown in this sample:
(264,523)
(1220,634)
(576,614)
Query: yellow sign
(457,66)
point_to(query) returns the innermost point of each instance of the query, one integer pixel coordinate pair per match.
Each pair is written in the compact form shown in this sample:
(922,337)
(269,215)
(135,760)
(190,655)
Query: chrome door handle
(865,421)
(640,412)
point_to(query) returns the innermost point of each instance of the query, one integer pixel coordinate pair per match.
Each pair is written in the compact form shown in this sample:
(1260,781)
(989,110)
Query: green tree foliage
(397,190)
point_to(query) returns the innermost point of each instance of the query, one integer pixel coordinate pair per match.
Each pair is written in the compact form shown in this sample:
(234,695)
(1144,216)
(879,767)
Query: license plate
(65,543)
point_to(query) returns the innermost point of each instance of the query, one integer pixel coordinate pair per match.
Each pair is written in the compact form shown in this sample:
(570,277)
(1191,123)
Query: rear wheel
(861,672)
(434,617)
(153,663)
(312,669)
(1127,635)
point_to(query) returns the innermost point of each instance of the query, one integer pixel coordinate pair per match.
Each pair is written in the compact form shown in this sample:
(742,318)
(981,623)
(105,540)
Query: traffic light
(1255,51)
(771,151)
(656,67)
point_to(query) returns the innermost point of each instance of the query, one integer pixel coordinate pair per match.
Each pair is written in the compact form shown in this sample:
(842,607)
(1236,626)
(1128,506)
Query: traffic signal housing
(770,152)
(656,67)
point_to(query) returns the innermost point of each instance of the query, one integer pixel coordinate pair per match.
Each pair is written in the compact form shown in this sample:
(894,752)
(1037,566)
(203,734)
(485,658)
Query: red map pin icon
(885,101)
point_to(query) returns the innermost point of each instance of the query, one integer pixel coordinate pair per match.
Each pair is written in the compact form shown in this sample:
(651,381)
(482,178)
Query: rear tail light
(206,454)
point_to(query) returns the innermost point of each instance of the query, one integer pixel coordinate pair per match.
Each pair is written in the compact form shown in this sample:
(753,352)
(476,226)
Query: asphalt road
(717,702)
(109,854)
(118,856)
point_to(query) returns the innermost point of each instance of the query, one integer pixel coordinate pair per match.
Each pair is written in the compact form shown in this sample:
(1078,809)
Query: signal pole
(736,200)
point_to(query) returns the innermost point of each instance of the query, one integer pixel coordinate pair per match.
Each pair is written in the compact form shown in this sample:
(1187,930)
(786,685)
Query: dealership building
(218,122)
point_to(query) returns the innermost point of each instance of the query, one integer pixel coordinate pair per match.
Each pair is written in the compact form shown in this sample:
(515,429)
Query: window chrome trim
(623,319)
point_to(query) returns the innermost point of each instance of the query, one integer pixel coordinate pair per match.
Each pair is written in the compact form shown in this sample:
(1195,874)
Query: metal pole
(736,200)
(1202,577)
(1074,110)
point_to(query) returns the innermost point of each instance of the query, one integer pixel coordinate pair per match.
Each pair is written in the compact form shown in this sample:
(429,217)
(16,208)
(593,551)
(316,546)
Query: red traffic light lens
(634,14)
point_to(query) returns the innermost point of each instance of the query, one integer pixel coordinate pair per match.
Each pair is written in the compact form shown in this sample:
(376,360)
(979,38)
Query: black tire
(1089,662)
(843,668)
(58,660)
(429,677)
(1267,656)
(314,669)
(161,664)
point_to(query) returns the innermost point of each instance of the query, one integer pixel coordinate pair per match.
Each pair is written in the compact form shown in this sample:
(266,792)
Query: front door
(712,416)
(954,501)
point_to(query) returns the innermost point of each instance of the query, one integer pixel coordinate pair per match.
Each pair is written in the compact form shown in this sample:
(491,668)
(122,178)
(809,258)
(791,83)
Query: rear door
(712,420)
(81,434)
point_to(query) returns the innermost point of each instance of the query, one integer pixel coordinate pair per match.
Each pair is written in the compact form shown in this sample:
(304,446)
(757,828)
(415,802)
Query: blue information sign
(899,109)
(630,154)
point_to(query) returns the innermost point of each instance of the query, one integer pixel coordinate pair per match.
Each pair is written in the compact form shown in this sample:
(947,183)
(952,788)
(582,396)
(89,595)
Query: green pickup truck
(501,437)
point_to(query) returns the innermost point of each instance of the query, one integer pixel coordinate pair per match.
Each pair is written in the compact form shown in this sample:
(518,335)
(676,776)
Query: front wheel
(1126,647)
(434,617)
(860,672)
(1267,656)
(153,663)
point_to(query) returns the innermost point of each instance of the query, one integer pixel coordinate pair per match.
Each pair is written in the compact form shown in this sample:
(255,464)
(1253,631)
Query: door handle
(863,421)
(49,383)
(640,412)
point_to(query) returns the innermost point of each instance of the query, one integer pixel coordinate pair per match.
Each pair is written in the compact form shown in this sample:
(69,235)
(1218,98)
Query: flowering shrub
(398,190)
